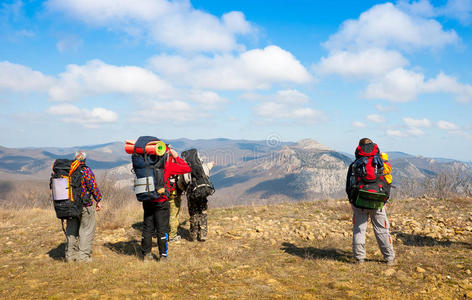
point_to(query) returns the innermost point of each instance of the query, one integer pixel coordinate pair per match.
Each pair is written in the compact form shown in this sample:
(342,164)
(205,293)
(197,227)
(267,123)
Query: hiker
(198,187)
(80,231)
(156,211)
(387,171)
(365,187)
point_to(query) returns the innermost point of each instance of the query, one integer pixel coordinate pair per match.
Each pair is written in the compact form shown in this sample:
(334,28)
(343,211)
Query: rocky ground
(288,251)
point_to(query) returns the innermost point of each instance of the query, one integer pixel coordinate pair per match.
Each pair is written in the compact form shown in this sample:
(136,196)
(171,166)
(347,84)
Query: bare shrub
(445,184)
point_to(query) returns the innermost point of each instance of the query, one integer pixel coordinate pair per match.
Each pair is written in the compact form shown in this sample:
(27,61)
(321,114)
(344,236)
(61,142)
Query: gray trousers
(79,235)
(381,229)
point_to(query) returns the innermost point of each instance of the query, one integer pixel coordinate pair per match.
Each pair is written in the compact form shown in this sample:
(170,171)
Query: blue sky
(87,72)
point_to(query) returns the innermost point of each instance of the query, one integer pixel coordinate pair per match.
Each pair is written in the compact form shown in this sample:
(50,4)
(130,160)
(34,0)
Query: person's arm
(92,186)
(178,166)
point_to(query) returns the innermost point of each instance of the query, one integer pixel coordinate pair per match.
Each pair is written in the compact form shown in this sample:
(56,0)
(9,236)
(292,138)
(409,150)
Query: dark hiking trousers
(156,219)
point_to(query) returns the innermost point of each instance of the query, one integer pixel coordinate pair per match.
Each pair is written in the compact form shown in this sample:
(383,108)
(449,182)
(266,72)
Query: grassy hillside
(286,251)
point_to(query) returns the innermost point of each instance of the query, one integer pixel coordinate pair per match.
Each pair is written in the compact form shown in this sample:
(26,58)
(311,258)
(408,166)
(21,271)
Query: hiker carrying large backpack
(198,187)
(365,187)
(154,163)
(73,189)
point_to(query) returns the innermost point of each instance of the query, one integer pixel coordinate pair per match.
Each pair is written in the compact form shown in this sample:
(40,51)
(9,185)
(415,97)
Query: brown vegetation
(287,251)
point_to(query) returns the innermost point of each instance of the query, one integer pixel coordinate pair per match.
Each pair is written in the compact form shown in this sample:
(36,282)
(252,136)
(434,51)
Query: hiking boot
(176,238)
(148,257)
(391,262)
(164,258)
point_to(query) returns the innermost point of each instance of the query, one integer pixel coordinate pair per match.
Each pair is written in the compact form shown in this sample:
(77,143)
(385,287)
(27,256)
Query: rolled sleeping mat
(129,146)
(158,148)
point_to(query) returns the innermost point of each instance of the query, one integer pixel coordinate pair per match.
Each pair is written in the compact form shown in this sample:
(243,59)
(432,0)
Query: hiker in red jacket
(156,212)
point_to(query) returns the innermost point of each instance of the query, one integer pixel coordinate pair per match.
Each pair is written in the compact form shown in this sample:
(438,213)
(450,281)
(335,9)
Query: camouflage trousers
(198,218)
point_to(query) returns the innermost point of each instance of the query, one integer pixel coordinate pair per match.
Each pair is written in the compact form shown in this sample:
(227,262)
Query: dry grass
(287,251)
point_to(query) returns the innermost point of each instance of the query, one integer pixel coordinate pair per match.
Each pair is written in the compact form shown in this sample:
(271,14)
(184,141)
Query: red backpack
(367,179)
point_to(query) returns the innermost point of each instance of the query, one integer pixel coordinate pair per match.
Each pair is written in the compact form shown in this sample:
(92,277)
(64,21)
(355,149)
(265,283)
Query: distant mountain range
(245,171)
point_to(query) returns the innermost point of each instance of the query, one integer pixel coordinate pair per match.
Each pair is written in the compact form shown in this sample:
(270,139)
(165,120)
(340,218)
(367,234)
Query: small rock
(468,272)
(389,272)
(420,270)
(95,271)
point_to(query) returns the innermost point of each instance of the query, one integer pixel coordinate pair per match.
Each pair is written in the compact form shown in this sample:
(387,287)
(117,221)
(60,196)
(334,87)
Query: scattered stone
(95,271)
(420,270)
(389,272)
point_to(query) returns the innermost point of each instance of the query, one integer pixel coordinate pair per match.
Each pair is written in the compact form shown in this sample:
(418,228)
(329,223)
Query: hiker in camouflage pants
(197,208)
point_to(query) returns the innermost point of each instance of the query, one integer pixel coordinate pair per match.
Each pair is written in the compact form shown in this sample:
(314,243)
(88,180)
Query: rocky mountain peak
(312,145)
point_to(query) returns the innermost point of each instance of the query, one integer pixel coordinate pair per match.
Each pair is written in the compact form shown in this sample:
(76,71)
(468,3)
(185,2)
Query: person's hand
(211,165)
(173,153)
(98,206)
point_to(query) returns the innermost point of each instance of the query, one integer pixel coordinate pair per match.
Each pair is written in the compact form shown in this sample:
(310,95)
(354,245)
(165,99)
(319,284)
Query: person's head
(80,156)
(384,156)
(365,141)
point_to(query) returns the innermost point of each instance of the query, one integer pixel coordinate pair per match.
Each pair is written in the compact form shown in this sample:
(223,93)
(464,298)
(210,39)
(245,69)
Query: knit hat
(80,156)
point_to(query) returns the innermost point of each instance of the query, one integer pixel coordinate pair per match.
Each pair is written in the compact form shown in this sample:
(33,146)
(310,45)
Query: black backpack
(199,185)
(65,185)
(149,182)
(367,180)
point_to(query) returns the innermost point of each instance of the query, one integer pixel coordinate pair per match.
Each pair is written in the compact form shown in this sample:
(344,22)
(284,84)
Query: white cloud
(286,105)
(182,112)
(367,63)
(402,85)
(97,78)
(447,125)
(386,26)
(417,122)
(375,118)
(459,9)
(253,69)
(207,99)
(88,118)
(173,23)
(358,124)
(453,9)
(18,78)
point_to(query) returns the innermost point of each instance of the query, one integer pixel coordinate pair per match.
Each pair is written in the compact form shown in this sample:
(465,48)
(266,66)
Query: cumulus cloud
(88,118)
(366,63)
(371,47)
(253,69)
(417,122)
(175,24)
(405,133)
(447,125)
(19,78)
(454,9)
(182,112)
(98,78)
(386,26)
(402,85)
(286,105)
